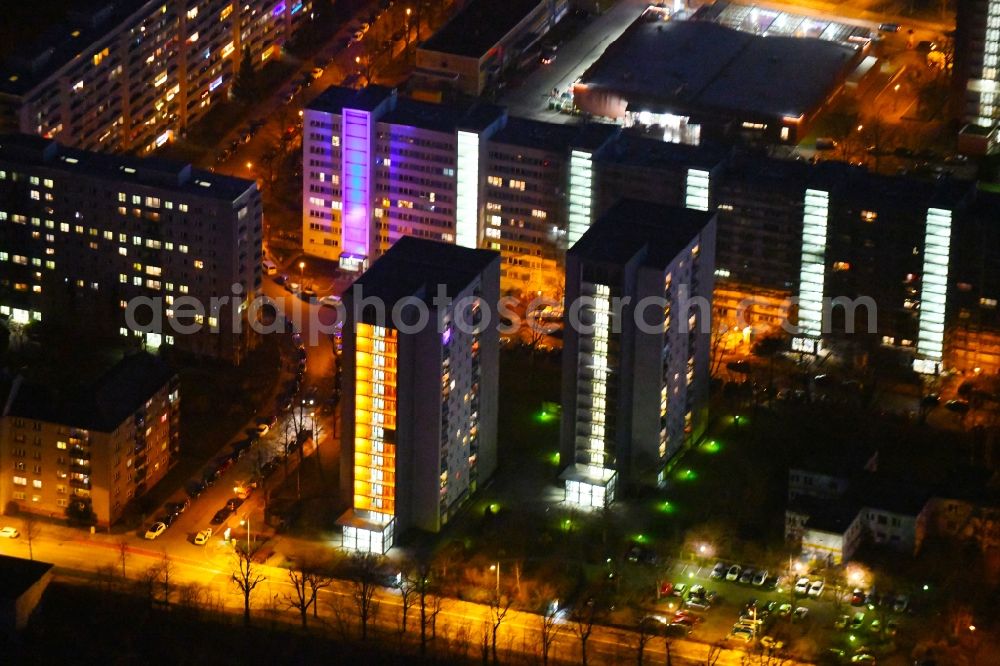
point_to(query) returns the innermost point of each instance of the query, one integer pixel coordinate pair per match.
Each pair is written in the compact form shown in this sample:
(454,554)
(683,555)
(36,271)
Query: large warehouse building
(686,80)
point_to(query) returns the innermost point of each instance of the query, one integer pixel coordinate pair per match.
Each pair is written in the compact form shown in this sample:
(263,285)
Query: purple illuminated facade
(357,159)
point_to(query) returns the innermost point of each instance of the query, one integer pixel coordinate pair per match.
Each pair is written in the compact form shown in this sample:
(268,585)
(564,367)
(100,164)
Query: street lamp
(496,567)
(249,165)
(245,521)
(302,274)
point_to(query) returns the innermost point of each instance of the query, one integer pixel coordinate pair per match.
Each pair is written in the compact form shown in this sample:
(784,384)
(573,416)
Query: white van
(270,268)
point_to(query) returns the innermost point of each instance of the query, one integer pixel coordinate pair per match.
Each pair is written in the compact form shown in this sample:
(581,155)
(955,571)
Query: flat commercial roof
(407,111)
(414,267)
(32,150)
(479,26)
(554,137)
(698,65)
(631,226)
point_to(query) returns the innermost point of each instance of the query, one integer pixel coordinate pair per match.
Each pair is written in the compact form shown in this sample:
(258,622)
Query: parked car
(234,503)
(858,597)
(760,578)
(747,576)
(802,586)
(816,588)
(718,571)
(784,610)
(800,613)
(308,294)
(734,573)
(679,589)
(857,622)
(743,634)
(841,622)
(316,72)
(330,300)
(155,530)
(9,532)
(901,604)
(698,603)
(221,515)
(202,537)
(177,508)
(167,519)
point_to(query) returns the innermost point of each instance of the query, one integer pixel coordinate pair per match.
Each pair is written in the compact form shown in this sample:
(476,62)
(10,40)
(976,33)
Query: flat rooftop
(554,137)
(86,23)
(702,66)
(631,227)
(414,267)
(31,150)
(18,574)
(407,111)
(479,26)
(102,405)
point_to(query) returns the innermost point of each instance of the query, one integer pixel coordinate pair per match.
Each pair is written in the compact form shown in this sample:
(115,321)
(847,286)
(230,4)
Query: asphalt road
(78,555)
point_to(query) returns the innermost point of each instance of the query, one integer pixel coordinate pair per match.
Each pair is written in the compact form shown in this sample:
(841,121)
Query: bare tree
(548,629)
(166,572)
(300,600)
(317,580)
(149,581)
(366,581)
(246,576)
(499,606)
(421,579)
(583,617)
(642,638)
(714,652)
(408,594)
(30,528)
(123,554)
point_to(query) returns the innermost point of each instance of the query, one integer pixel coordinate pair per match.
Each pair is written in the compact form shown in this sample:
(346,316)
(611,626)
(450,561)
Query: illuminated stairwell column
(467,189)
(812,272)
(581,195)
(987,88)
(356,150)
(696,189)
(933,291)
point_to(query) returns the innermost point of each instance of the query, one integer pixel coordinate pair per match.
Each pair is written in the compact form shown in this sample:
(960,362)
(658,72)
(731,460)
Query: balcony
(78,452)
(77,483)
(80,469)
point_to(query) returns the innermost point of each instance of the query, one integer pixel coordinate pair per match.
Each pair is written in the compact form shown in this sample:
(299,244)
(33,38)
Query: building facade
(83,235)
(84,454)
(636,346)
(977,62)
(132,75)
(469,52)
(420,396)
(849,256)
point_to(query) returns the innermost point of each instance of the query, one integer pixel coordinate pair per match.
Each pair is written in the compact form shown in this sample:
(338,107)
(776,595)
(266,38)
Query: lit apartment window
(199,264)
(20,481)
(37,483)
(516,185)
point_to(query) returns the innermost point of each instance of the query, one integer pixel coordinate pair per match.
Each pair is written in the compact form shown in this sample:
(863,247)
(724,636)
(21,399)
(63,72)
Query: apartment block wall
(146,75)
(77,245)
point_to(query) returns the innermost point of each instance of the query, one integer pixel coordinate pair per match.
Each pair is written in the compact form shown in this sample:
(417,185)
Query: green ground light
(666,507)
(566,525)
(686,475)
(545,416)
(553,458)
(711,446)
